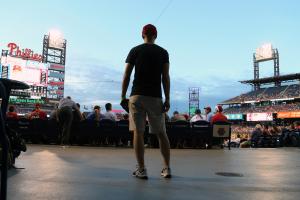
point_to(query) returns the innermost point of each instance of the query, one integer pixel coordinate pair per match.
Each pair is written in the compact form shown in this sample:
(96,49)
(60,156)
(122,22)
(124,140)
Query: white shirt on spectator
(196,117)
(237,140)
(110,115)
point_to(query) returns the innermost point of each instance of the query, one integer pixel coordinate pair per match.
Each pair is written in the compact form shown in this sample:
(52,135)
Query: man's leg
(137,119)
(164,145)
(67,128)
(67,117)
(138,145)
(157,125)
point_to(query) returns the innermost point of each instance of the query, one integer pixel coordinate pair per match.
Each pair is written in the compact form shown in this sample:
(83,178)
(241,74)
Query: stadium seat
(107,131)
(12,123)
(25,129)
(201,134)
(52,134)
(178,133)
(88,133)
(38,130)
(123,132)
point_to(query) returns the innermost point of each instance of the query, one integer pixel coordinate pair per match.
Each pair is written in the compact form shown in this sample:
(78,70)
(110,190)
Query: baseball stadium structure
(275,98)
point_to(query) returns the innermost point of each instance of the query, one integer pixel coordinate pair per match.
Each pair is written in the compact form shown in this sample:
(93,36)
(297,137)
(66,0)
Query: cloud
(95,82)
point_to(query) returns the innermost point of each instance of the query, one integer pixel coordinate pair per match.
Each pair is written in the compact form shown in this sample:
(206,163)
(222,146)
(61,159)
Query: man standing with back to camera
(151,63)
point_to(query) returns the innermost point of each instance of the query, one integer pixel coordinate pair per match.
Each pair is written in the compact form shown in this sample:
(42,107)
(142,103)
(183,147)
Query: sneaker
(140,173)
(166,172)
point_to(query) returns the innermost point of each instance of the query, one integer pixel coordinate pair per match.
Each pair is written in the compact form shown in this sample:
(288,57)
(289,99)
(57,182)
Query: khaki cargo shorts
(141,107)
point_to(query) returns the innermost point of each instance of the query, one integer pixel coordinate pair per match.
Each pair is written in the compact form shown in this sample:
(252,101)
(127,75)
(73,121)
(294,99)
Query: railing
(181,134)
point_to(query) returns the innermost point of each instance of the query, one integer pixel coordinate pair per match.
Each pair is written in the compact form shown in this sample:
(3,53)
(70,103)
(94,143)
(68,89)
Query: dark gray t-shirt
(148,60)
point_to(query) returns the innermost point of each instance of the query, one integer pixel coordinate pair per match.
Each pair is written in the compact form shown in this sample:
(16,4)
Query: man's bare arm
(126,79)
(166,85)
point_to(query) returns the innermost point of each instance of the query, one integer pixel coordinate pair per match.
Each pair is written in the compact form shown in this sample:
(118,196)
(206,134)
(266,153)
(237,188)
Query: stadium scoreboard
(46,80)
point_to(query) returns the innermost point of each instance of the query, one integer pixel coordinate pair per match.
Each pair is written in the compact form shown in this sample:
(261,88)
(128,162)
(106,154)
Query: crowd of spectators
(95,115)
(198,116)
(245,136)
(242,135)
(246,130)
(265,94)
(266,108)
(36,113)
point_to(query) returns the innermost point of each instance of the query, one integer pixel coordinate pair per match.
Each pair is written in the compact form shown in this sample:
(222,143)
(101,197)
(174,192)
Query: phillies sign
(27,54)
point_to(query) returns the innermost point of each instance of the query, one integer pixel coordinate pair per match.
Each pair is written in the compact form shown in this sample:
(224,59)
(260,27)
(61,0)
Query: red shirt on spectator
(38,114)
(219,117)
(12,115)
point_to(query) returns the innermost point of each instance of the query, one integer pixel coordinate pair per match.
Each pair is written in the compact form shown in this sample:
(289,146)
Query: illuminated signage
(254,117)
(20,93)
(28,71)
(283,115)
(234,116)
(26,54)
(264,52)
(25,101)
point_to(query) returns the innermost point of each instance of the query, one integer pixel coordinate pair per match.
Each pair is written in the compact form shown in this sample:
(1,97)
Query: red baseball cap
(219,108)
(149,29)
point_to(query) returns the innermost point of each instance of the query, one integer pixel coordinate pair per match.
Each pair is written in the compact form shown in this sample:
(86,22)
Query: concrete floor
(83,173)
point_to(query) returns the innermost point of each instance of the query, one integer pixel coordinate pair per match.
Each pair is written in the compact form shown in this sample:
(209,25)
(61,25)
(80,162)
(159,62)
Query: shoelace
(164,169)
(138,169)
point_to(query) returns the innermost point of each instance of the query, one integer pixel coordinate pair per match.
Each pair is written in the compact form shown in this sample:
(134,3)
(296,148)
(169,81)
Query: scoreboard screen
(31,72)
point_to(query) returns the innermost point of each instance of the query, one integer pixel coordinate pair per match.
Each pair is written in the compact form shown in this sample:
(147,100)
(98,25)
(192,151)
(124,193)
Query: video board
(31,72)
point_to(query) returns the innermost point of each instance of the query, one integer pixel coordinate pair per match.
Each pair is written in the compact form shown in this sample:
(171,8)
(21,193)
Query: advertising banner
(283,115)
(234,116)
(254,117)
(30,101)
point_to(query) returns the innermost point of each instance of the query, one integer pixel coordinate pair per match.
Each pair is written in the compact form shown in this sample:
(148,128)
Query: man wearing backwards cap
(151,64)
(219,117)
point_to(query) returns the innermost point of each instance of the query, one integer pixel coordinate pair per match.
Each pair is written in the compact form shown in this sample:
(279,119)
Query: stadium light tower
(262,54)
(193,99)
(54,53)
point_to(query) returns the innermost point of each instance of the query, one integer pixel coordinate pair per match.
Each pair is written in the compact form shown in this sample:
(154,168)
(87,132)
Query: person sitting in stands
(197,116)
(11,114)
(219,117)
(177,117)
(236,142)
(82,116)
(297,125)
(96,115)
(254,137)
(186,116)
(256,133)
(275,131)
(266,131)
(37,113)
(109,114)
(208,115)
